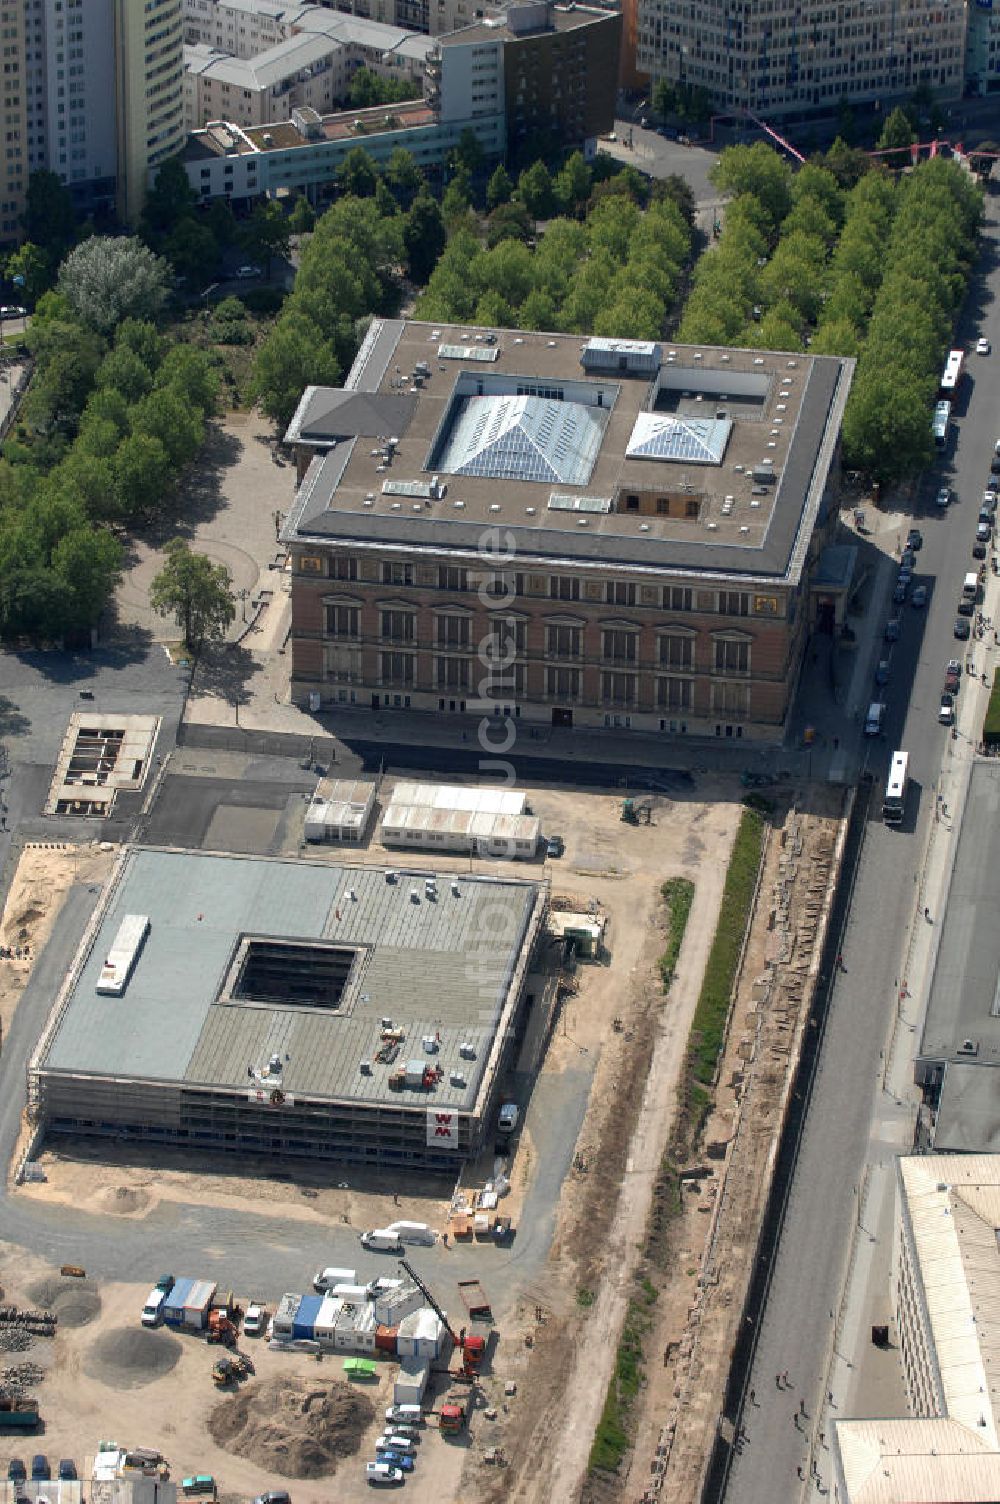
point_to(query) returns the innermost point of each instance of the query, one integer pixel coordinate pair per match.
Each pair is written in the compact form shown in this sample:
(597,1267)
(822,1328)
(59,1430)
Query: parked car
(943,497)
(67,1470)
(995,465)
(901,591)
(390,1442)
(919,597)
(915,539)
(983,532)
(946,712)
(892,629)
(555,846)
(966,607)
(247,273)
(16,1472)
(275,1496)
(962,628)
(952,676)
(908,559)
(507,1117)
(381,1475)
(979,550)
(40,1470)
(255,1319)
(402,1460)
(990,496)
(13,311)
(983,346)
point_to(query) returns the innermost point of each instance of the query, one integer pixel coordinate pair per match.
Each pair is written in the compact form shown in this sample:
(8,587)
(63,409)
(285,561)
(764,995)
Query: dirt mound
(75,1301)
(296,1427)
(131,1357)
(123,1200)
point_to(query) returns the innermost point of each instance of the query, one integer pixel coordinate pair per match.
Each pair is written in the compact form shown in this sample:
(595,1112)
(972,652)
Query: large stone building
(945,1282)
(577,532)
(786,57)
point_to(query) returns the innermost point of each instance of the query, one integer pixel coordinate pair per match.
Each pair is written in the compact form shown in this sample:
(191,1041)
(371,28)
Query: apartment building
(14,158)
(575,533)
(309,68)
(69,66)
(982,49)
(798,57)
(557,65)
(240,27)
(148,41)
(945,1275)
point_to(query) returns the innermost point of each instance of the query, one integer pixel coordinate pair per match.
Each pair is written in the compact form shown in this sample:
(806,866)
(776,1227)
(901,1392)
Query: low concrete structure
(101,755)
(340,811)
(452,817)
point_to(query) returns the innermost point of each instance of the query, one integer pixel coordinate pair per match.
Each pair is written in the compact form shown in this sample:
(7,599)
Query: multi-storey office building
(149,67)
(14,98)
(579,532)
(781,57)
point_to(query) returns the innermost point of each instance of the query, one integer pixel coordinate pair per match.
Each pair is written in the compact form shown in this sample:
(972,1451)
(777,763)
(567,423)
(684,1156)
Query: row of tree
(928,259)
(876,272)
(113,414)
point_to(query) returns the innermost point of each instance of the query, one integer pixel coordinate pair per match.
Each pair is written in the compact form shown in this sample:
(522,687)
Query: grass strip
(678,895)
(709,1026)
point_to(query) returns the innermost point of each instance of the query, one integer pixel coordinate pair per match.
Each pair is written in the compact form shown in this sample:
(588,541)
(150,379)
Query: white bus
(952,372)
(894,801)
(941,423)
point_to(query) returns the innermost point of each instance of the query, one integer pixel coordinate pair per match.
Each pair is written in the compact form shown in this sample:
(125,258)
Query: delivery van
(970,585)
(381,1240)
(874,718)
(152,1311)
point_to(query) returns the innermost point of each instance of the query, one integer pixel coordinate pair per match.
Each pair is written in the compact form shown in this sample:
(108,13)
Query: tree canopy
(196,592)
(106,280)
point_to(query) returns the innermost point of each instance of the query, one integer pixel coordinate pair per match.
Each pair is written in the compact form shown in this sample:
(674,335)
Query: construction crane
(472,1348)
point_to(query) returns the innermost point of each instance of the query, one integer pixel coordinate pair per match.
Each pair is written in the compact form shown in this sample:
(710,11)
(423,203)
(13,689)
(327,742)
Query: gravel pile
(74,1301)
(131,1357)
(21,1379)
(295,1427)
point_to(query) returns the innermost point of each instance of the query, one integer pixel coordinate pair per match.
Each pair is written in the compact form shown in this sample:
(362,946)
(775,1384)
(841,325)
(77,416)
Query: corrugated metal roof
(439,967)
(931,1461)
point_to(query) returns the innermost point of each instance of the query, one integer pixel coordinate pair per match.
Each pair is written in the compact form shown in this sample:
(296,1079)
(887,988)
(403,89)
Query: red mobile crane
(472,1347)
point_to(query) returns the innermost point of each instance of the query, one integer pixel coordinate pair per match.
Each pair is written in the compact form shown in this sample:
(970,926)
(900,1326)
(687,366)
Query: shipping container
(121,958)
(198,1303)
(173,1306)
(284,1316)
(326,1319)
(411,1381)
(305,1317)
(385,1339)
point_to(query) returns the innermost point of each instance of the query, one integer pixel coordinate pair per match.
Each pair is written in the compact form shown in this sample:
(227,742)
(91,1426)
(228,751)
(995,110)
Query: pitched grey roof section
(333,413)
(439,967)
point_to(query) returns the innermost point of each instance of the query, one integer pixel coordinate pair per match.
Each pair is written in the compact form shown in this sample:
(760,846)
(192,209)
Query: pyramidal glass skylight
(524,438)
(696,441)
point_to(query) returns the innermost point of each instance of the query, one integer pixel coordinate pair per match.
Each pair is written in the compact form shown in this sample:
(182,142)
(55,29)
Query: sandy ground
(600,1217)
(44,876)
(112,1380)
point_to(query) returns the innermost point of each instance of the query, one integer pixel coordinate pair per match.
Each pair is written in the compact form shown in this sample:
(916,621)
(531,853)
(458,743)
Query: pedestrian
(777,1381)
(795,1420)
(802,1407)
(786,1381)
(753,1396)
(927,916)
(799,1471)
(831,1313)
(395,1199)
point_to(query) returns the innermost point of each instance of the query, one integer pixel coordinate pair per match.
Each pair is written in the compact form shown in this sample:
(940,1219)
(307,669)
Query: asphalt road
(806,1285)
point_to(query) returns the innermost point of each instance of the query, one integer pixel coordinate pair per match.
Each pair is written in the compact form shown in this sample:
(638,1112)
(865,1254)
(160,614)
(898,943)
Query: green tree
(758,170)
(192,251)
(534,189)
(678,191)
(302,217)
(457,198)
(294,355)
(368,89)
(896,133)
(170,200)
(124,372)
(664,99)
(424,237)
(509,222)
(196,592)
(499,188)
(88,478)
(88,562)
(221,220)
(30,269)
(847,163)
(572,184)
(357,173)
(193,373)
(468,153)
(105,280)
(49,217)
(266,233)
(143,340)
(141,475)
(403,177)
(168,417)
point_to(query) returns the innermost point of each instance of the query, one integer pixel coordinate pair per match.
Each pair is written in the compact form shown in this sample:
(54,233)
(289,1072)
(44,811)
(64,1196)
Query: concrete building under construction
(293,1008)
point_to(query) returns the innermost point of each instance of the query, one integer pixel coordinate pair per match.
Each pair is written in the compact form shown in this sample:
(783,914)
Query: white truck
(381,1240)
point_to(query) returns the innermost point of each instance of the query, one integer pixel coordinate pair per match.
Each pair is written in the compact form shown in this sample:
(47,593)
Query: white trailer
(121,958)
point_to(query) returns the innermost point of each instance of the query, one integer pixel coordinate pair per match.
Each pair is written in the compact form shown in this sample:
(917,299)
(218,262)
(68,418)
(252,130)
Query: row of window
(465,675)
(452,577)
(730,655)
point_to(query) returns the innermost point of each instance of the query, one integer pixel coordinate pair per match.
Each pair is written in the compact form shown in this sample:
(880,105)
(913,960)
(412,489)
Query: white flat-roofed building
(946,1307)
(452,817)
(340,810)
